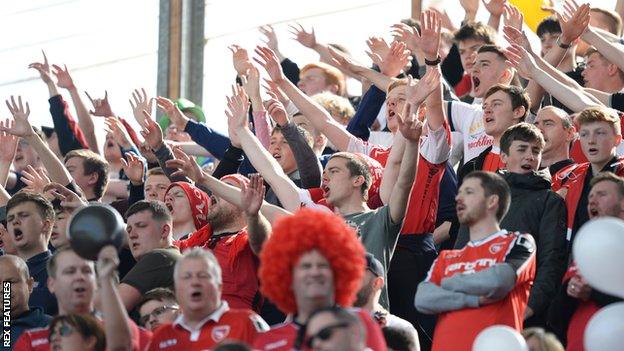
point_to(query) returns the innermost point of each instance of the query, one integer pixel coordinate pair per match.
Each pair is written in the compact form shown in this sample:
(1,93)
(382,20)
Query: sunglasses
(157,312)
(324,334)
(63,330)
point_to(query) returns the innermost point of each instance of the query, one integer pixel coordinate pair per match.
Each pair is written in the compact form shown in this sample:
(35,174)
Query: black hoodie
(537,210)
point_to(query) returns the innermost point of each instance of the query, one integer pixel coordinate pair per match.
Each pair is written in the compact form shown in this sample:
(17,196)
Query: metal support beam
(181,49)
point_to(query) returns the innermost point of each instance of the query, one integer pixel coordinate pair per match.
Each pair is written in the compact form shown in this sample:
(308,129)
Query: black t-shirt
(153,270)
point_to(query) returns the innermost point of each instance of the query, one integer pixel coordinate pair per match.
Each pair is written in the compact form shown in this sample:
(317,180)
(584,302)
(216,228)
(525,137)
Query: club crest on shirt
(495,248)
(219,333)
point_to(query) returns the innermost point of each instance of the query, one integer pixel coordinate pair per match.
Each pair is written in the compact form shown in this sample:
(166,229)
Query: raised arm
(186,166)
(574,99)
(496,9)
(154,138)
(85,122)
(8,147)
(260,158)
(317,115)
(411,129)
(258,227)
(344,63)
(118,333)
(22,128)
(611,51)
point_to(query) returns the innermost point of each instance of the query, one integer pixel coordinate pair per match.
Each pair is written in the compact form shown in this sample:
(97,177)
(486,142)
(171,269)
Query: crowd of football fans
(443,200)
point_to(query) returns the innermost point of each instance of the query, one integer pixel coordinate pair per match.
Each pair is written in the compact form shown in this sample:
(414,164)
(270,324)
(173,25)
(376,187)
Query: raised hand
(470,6)
(513,17)
(240,59)
(515,36)
(409,126)
(63,77)
(395,60)
(69,199)
(107,263)
(273,89)
(417,92)
(35,179)
(271,38)
(251,82)
(8,141)
(276,110)
(186,165)
(141,103)
(406,34)
(119,132)
(151,132)
(573,21)
(269,61)
(519,58)
(430,32)
(307,39)
(21,127)
(43,68)
(495,7)
(238,109)
(101,107)
(175,114)
(252,195)
(134,167)
(344,62)
(377,46)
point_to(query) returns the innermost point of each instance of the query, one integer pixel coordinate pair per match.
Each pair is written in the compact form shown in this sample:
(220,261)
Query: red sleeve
(140,337)
(23,343)
(435,275)
(374,337)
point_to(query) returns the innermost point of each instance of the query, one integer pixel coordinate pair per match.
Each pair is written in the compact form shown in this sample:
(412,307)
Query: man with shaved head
(14,271)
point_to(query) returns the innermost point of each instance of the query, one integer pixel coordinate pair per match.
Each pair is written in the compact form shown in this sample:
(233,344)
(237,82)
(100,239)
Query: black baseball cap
(373,265)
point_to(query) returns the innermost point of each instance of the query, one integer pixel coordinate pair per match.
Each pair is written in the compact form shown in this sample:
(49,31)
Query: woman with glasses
(76,332)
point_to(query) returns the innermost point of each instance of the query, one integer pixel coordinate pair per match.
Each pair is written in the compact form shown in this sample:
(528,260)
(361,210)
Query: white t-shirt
(468,120)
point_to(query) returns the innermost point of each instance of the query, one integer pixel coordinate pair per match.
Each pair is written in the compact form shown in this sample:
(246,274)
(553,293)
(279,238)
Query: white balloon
(599,254)
(499,337)
(605,329)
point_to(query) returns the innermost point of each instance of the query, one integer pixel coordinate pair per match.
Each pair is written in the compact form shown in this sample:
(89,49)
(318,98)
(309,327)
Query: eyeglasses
(62,330)
(325,333)
(157,312)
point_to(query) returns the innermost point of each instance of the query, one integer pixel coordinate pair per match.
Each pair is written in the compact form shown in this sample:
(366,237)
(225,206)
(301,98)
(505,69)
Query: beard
(363,296)
(221,217)
(472,216)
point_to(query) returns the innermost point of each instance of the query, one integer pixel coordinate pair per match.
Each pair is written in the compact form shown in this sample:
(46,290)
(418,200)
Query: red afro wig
(300,233)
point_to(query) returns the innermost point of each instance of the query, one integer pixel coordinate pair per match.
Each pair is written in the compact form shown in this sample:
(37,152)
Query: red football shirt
(456,330)
(282,337)
(422,206)
(37,339)
(223,324)
(239,266)
(493,162)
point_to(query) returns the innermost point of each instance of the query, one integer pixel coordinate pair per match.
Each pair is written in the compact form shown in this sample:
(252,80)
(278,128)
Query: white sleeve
(306,201)
(435,147)
(461,115)
(357,145)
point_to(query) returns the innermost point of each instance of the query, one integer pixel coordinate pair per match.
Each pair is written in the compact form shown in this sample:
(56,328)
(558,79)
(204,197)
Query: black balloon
(93,227)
